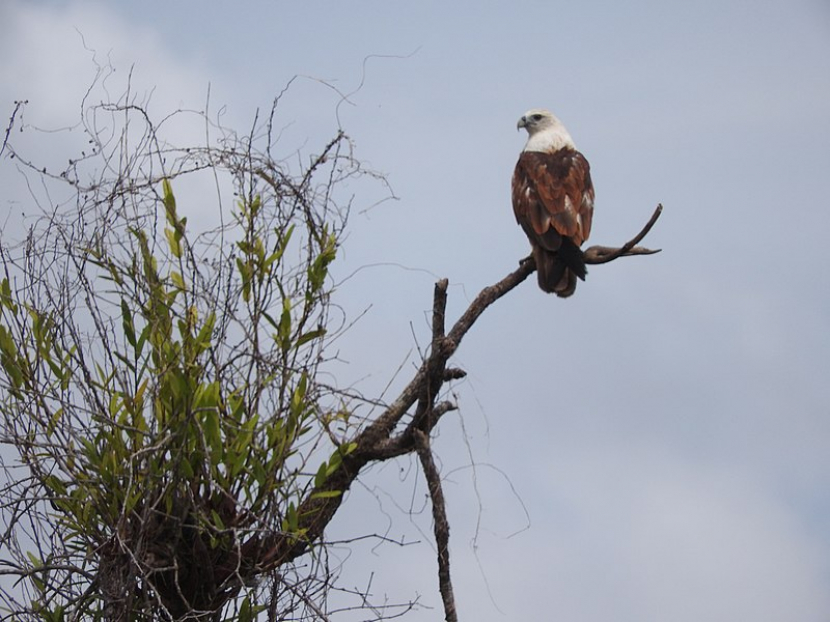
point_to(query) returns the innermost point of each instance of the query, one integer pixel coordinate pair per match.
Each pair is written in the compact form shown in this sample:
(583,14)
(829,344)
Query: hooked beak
(522,123)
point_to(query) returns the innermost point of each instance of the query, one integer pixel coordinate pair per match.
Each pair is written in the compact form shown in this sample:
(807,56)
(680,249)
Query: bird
(553,201)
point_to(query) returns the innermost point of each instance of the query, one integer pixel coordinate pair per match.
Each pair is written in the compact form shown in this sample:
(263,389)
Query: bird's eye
(536,117)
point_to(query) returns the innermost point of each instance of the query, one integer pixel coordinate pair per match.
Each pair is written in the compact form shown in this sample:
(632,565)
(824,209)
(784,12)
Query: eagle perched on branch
(553,199)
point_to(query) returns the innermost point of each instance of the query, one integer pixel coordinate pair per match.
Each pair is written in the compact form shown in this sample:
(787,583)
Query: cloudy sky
(656,447)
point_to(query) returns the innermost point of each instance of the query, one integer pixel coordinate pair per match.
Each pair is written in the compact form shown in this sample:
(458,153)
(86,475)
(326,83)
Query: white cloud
(58,51)
(71,58)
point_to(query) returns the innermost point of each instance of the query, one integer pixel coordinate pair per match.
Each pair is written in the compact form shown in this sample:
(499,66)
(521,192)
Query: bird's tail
(557,271)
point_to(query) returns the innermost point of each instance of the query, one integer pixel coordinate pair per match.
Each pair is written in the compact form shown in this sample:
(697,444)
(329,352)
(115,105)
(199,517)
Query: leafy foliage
(160,383)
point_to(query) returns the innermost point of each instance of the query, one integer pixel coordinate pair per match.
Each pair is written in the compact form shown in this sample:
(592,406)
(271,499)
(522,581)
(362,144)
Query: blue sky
(654,448)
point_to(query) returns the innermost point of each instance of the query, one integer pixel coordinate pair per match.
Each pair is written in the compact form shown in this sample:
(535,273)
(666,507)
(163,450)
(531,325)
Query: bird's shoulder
(553,164)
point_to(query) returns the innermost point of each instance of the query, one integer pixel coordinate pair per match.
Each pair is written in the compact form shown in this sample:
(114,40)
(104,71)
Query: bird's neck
(549,140)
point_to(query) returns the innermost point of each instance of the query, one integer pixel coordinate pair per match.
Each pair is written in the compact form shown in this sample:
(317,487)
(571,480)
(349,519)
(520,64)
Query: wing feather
(553,196)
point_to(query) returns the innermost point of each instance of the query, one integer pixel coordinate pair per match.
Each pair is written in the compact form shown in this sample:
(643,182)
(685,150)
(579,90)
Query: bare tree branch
(604,254)
(377,442)
(441,525)
(17,106)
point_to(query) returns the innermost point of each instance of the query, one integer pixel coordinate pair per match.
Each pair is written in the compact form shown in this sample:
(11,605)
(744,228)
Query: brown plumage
(553,200)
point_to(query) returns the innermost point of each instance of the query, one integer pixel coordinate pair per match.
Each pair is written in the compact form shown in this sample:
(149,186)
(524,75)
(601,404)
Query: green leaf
(246,431)
(142,339)
(298,397)
(321,475)
(169,201)
(131,500)
(178,280)
(59,371)
(127,323)
(55,485)
(309,336)
(217,520)
(245,274)
(284,327)
(173,238)
(174,234)
(276,256)
(53,421)
(187,469)
(334,463)
(6,296)
(206,332)
(213,433)
(257,470)
(9,358)
(247,611)
(256,204)
(319,268)
(291,522)
(327,494)
(234,460)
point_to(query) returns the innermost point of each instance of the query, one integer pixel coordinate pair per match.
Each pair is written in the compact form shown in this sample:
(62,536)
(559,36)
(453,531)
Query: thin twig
(17,106)
(604,254)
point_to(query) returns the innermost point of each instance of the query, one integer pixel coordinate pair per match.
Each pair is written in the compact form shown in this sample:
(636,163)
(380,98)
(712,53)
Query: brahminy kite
(553,200)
